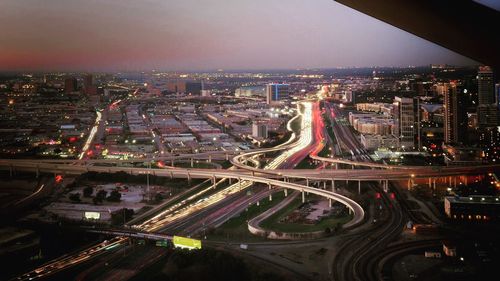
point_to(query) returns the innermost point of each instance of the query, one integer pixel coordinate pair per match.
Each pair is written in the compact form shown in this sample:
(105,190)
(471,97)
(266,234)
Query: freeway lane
(243,179)
(66,261)
(97,128)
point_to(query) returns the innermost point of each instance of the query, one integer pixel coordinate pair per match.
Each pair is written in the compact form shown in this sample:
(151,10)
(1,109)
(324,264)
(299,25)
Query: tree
(328,231)
(101,194)
(75,197)
(87,191)
(99,197)
(120,216)
(114,196)
(158,197)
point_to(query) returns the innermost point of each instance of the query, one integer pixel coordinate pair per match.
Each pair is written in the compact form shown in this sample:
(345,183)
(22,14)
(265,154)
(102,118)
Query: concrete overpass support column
(192,162)
(330,202)
(303,196)
(286,192)
(214,182)
(359,187)
(209,158)
(227,156)
(333,185)
(307,182)
(433,184)
(172,162)
(189,179)
(409,184)
(239,182)
(230,181)
(350,210)
(324,185)
(430,183)
(171,175)
(346,183)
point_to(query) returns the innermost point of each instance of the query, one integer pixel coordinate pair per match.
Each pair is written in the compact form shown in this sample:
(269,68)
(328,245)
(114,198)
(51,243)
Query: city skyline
(126,36)
(249,140)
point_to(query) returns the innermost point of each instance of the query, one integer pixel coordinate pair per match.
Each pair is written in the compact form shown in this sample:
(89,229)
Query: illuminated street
(249,140)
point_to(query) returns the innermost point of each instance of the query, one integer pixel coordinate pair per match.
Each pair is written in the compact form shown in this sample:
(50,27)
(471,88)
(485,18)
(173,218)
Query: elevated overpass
(239,175)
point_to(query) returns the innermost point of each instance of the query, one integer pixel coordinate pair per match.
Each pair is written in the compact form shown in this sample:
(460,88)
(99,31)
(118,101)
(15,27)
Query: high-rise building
(455,116)
(193,88)
(249,91)
(259,130)
(485,85)
(487,109)
(404,122)
(70,85)
(276,92)
(176,87)
(497,95)
(88,85)
(88,81)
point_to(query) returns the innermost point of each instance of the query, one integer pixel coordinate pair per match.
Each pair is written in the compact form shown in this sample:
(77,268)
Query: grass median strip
(273,222)
(236,228)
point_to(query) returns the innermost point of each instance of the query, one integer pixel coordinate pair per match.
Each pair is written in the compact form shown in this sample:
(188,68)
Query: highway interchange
(197,212)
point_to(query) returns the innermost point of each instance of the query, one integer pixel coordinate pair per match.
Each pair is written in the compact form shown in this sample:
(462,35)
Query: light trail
(91,136)
(173,213)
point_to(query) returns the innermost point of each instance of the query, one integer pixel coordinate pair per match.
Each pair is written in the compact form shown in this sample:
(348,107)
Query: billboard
(92,215)
(187,243)
(162,243)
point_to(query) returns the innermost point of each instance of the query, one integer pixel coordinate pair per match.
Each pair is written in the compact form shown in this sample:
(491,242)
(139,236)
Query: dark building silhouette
(70,85)
(88,85)
(455,115)
(193,88)
(487,110)
(187,87)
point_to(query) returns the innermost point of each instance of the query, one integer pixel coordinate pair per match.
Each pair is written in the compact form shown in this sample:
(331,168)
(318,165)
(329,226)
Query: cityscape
(224,166)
